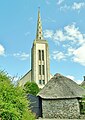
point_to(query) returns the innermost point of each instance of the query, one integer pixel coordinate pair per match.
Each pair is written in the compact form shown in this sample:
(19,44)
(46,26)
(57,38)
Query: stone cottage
(60,98)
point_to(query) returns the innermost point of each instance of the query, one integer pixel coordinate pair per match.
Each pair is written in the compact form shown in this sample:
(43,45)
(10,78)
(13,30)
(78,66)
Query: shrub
(13,101)
(31,87)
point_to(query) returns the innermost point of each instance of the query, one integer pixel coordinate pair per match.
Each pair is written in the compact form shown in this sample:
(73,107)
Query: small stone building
(60,98)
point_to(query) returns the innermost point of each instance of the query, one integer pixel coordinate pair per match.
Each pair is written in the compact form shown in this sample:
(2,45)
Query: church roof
(61,87)
(25,74)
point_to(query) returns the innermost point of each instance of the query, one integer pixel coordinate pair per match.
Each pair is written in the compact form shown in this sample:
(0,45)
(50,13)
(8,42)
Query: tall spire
(39,35)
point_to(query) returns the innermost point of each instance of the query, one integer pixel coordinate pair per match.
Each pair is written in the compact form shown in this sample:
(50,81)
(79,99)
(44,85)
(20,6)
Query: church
(40,62)
(60,97)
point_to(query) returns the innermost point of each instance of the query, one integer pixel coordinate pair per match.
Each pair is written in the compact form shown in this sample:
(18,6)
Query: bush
(13,101)
(32,88)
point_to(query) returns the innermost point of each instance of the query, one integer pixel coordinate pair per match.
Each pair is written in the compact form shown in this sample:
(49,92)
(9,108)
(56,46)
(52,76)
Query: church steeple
(39,34)
(40,64)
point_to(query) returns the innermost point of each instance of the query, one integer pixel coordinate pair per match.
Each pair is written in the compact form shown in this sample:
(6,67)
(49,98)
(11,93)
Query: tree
(31,87)
(13,101)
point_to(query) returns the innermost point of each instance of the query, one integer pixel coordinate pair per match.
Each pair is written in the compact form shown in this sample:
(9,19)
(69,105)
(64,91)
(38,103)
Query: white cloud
(60,1)
(71,41)
(2,50)
(78,81)
(65,7)
(59,35)
(49,20)
(78,6)
(21,55)
(58,55)
(75,6)
(79,55)
(48,33)
(72,32)
(14,79)
(69,33)
(70,51)
(73,78)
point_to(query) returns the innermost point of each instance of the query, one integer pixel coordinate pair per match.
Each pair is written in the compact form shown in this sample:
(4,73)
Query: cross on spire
(39,35)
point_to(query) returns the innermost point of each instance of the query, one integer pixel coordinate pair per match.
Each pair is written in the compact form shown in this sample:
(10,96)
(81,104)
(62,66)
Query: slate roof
(61,87)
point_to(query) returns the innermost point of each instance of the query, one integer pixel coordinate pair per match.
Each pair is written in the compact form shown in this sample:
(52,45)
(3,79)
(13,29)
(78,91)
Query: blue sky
(63,23)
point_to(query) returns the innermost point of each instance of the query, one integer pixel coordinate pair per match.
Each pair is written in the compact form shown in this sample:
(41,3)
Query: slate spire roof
(39,34)
(60,87)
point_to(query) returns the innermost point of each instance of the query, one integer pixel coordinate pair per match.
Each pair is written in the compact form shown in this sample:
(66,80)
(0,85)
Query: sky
(63,23)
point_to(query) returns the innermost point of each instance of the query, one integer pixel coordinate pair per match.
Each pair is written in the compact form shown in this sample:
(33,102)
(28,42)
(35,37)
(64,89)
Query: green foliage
(13,101)
(31,87)
(83,103)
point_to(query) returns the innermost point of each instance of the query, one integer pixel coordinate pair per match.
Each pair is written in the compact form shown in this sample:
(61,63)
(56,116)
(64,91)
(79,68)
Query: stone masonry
(61,109)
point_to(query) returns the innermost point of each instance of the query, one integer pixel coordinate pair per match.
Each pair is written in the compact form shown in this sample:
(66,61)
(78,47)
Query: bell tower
(40,65)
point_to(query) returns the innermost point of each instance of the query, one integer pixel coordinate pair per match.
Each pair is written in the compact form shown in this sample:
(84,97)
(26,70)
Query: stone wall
(60,109)
(82,117)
